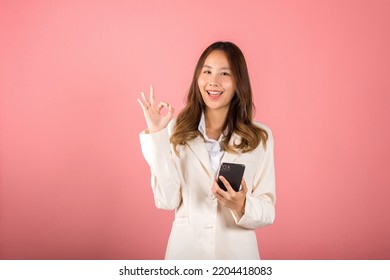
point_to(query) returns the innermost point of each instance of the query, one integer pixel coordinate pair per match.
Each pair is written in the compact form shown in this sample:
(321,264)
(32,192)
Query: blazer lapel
(231,157)
(198,147)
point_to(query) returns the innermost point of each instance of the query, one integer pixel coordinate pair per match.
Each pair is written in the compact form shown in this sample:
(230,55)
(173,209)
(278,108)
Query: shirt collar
(202,129)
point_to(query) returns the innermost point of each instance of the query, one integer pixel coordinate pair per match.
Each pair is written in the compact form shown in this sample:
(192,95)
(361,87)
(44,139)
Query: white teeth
(214,92)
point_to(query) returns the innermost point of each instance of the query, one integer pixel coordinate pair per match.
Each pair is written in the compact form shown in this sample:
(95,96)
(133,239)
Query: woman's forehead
(217,59)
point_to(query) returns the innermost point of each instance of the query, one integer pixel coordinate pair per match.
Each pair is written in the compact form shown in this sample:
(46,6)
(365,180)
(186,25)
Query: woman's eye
(207,72)
(225,74)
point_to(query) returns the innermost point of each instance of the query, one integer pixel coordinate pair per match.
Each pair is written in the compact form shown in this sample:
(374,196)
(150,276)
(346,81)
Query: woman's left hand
(230,198)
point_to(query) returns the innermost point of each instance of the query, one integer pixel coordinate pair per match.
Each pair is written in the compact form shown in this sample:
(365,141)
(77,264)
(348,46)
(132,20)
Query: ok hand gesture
(154,119)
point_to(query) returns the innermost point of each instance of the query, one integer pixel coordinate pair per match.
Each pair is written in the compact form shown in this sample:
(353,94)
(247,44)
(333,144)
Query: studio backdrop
(73,182)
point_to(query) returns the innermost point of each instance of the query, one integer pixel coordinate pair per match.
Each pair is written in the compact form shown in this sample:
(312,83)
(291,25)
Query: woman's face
(216,83)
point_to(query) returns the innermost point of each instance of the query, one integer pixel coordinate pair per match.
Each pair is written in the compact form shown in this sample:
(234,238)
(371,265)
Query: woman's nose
(214,81)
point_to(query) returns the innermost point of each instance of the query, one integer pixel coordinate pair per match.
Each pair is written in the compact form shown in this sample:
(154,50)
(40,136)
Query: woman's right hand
(154,119)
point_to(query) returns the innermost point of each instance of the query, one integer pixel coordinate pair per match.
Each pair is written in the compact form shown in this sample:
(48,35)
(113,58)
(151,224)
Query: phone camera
(225,168)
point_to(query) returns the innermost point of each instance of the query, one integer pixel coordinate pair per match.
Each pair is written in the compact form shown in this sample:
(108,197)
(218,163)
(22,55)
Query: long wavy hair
(241,109)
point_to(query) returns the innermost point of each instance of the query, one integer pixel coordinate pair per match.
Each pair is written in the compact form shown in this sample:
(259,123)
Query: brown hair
(241,109)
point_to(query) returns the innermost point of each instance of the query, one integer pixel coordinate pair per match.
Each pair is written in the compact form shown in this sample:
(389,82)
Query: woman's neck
(215,120)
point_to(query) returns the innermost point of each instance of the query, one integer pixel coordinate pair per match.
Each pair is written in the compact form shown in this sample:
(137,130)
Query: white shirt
(213,147)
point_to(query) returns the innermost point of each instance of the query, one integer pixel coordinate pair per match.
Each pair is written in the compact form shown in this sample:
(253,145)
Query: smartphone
(233,173)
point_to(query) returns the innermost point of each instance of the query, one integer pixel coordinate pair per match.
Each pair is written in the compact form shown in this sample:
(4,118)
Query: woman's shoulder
(270,138)
(262,126)
(171,126)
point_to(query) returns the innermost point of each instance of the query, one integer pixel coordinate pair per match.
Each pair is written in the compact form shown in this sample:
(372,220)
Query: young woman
(184,157)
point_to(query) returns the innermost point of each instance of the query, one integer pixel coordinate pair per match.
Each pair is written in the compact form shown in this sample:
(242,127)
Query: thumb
(244,187)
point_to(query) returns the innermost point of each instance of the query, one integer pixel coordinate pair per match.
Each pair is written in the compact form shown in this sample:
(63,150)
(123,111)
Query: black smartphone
(233,173)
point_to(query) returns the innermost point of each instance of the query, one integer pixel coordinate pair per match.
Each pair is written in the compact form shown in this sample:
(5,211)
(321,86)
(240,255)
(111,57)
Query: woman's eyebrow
(222,68)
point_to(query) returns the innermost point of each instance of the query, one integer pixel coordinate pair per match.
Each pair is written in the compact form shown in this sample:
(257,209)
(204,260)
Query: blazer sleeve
(165,180)
(260,204)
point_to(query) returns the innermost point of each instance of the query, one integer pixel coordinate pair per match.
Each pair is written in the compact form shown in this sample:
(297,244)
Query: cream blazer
(203,228)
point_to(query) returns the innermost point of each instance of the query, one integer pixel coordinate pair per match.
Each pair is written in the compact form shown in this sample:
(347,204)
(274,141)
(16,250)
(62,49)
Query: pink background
(73,182)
